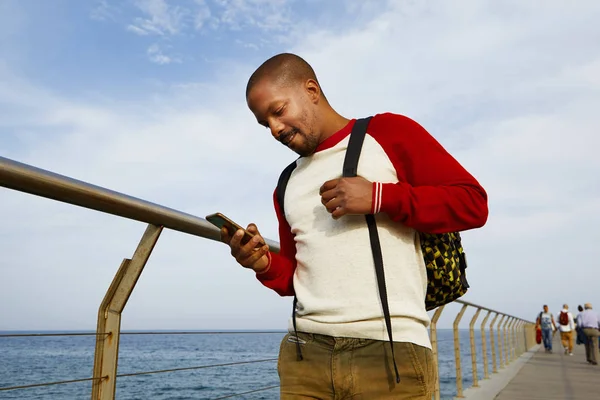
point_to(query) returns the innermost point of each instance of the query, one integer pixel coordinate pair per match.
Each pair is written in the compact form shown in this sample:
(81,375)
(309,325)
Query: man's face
(545,308)
(288,111)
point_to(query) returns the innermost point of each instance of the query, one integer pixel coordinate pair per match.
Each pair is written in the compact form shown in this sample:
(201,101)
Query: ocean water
(30,360)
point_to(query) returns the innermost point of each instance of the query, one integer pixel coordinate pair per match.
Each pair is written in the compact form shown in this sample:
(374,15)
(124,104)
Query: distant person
(590,322)
(545,321)
(338,345)
(581,338)
(566,326)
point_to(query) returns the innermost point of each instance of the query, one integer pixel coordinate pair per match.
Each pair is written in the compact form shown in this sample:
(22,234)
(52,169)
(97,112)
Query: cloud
(137,30)
(160,17)
(156,55)
(163,18)
(268,15)
(202,13)
(509,89)
(179,24)
(104,11)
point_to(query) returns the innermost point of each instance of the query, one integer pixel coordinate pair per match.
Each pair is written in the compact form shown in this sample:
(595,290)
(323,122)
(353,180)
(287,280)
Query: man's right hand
(248,255)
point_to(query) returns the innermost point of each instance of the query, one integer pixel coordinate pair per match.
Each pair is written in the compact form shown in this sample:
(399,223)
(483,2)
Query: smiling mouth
(287,139)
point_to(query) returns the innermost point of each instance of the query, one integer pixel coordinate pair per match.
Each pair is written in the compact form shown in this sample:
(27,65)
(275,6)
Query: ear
(313,90)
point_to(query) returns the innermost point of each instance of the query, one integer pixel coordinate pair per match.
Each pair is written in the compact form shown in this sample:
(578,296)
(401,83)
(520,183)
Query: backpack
(563,318)
(443,254)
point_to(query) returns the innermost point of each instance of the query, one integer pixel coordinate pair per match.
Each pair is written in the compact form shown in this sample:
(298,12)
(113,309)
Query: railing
(514,335)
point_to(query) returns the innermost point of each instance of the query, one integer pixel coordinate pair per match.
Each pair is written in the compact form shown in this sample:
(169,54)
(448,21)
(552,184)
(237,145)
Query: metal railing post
(516,339)
(109,316)
(511,344)
(484,346)
(434,347)
(507,341)
(531,335)
(500,343)
(459,388)
(473,348)
(520,338)
(503,347)
(493,343)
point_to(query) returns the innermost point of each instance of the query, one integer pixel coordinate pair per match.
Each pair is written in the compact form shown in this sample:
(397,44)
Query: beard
(305,141)
(300,142)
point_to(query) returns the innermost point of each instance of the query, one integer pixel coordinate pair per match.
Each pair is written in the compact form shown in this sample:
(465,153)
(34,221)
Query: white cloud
(156,55)
(510,89)
(169,20)
(160,18)
(104,11)
(203,14)
(163,18)
(137,30)
(268,15)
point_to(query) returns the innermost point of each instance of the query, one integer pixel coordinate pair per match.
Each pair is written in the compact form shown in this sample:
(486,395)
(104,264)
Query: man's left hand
(347,196)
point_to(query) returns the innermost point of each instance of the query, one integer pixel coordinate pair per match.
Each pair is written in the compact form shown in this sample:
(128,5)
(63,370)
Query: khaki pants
(591,347)
(347,368)
(567,340)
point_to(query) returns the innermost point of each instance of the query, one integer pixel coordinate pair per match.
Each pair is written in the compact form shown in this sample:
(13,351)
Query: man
(546,322)
(581,338)
(590,323)
(410,183)
(566,326)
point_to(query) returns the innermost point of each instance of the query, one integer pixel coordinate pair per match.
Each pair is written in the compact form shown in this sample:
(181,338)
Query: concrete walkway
(555,376)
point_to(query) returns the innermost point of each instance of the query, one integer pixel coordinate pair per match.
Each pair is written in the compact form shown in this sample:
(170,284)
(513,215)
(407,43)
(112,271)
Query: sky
(146,97)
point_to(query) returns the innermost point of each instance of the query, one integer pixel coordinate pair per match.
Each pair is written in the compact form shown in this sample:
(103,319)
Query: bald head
(284,69)
(286,98)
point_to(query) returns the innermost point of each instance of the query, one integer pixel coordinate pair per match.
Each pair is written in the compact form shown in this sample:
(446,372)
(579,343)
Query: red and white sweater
(328,264)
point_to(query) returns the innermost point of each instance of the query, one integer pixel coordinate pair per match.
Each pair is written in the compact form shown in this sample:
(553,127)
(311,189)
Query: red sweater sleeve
(435,194)
(282,265)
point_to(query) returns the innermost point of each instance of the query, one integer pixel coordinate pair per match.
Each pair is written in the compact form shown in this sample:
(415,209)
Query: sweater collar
(336,137)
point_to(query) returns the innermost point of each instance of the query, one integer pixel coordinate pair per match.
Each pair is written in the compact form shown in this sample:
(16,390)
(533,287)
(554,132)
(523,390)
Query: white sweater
(335,279)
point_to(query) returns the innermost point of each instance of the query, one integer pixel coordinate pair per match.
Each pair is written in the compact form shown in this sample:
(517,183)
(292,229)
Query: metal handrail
(28,179)
(16,335)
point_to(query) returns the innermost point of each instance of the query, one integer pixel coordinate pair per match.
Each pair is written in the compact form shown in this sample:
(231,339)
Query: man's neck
(333,122)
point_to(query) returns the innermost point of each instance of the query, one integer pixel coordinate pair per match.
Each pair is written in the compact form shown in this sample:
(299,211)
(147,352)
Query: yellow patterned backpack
(446,263)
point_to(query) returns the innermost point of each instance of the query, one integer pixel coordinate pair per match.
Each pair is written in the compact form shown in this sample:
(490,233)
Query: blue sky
(147,97)
(122,48)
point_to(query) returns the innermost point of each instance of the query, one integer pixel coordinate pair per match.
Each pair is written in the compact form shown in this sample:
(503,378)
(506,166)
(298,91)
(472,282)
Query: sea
(39,359)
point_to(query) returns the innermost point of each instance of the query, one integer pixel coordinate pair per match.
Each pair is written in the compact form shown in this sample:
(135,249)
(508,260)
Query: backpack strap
(282,184)
(357,137)
(280,196)
(350,169)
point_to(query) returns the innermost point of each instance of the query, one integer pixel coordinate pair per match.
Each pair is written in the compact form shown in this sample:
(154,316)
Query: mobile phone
(219,220)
